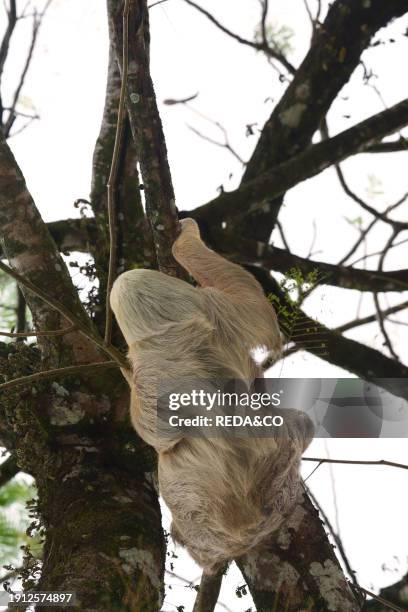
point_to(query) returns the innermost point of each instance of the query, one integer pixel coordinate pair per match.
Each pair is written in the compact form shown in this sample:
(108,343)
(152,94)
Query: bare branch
(365,232)
(224,145)
(112,181)
(332,58)
(322,74)
(37,21)
(134,238)
(267,49)
(147,133)
(380,317)
(157,3)
(12,116)
(283,236)
(357,462)
(253,194)
(377,214)
(280,260)
(388,604)
(394,146)
(376,253)
(208,593)
(4,47)
(57,372)
(56,332)
(371,318)
(309,12)
(174,101)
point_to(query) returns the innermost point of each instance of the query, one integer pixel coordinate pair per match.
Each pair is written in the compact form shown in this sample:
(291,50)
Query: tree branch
(328,65)
(394,146)
(371,318)
(394,594)
(147,130)
(280,260)
(312,336)
(253,194)
(208,593)
(72,234)
(5,43)
(262,46)
(55,332)
(113,175)
(356,462)
(333,56)
(134,240)
(57,372)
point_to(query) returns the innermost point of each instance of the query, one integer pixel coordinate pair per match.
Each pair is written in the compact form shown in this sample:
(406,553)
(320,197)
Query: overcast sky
(237,86)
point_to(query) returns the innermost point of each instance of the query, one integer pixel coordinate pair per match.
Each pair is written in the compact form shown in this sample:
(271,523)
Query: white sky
(66,86)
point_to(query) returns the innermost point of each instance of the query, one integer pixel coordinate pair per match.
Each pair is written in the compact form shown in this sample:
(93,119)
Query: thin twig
(365,232)
(11,117)
(44,334)
(283,235)
(365,257)
(265,8)
(390,146)
(385,602)
(309,12)
(21,128)
(4,47)
(356,462)
(112,180)
(21,114)
(376,298)
(190,583)
(37,21)
(57,372)
(223,145)
(396,322)
(396,225)
(313,242)
(156,3)
(249,43)
(371,318)
(400,225)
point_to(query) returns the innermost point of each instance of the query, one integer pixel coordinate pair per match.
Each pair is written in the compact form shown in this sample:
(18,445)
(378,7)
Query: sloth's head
(148,303)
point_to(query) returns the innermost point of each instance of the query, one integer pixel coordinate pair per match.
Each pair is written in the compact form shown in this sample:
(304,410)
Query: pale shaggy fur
(226,495)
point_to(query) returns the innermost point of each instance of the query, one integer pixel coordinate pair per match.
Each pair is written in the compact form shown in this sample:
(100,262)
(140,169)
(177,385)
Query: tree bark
(97,502)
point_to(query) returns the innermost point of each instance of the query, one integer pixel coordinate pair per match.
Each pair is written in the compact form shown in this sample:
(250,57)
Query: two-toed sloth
(226,495)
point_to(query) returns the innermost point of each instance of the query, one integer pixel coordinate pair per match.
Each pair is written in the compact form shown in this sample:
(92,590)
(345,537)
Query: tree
(65,423)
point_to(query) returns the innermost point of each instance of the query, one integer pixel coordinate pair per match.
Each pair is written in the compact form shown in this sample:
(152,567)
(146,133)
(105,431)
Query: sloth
(226,494)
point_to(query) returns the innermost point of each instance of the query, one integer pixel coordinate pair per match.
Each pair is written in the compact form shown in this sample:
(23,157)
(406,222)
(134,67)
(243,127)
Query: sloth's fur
(226,495)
